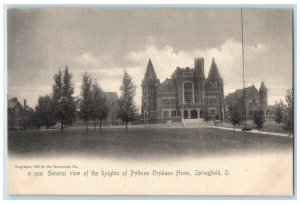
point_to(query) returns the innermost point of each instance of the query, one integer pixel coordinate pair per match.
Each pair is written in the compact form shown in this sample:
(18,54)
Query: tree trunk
(86,127)
(100,126)
(126,123)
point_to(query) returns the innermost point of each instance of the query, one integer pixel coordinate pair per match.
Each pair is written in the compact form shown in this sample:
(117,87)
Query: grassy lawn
(143,142)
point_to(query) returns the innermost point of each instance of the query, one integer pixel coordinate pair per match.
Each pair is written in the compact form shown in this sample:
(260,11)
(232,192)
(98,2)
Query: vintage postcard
(150,101)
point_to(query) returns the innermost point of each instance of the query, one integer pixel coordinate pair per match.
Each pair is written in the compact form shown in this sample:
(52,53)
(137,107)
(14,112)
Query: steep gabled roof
(12,103)
(262,87)
(111,96)
(250,91)
(150,72)
(214,71)
(167,86)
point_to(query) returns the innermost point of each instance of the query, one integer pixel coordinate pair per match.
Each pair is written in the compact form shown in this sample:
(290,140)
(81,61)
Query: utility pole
(245,111)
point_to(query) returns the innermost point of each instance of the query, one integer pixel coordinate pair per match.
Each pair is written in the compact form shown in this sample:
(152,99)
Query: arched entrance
(185,114)
(194,114)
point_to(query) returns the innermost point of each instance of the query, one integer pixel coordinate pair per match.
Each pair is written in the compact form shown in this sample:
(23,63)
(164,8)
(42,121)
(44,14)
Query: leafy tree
(56,97)
(127,110)
(86,103)
(100,109)
(63,103)
(279,112)
(235,112)
(289,111)
(69,101)
(43,112)
(259,119)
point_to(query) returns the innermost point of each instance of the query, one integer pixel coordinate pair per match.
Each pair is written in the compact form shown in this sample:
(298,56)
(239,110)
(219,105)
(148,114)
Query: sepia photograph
(150,101)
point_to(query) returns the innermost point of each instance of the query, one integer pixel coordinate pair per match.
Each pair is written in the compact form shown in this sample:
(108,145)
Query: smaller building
(19,116)
(256,100)
(113,107)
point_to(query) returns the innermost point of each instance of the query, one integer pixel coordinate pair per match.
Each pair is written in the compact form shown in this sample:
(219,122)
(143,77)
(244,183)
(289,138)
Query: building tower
(200,79)
(263,94)
(216,85)
(214,74)
(149,89)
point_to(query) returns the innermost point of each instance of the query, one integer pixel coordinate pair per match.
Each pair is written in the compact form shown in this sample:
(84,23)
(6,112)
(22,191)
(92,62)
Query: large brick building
(188,94)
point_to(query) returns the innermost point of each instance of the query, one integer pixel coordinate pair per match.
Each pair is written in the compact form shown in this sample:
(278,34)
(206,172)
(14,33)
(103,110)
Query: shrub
(259,119)
(246,129)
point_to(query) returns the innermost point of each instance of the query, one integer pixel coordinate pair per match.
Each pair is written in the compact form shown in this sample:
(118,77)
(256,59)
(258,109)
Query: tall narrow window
(166,102)
(212,111)
(188,93)
(150,92)
(173,113)
(152,114)
(165,113)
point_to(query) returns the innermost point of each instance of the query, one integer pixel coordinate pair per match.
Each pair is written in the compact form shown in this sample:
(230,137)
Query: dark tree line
(93,104)
(284,112)
(63,101)
(61,106)
(43,113)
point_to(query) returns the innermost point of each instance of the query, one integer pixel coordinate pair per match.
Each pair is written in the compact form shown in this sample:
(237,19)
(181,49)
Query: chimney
(199,66)
(25,105)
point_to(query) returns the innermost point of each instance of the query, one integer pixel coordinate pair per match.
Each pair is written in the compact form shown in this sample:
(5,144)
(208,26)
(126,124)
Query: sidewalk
(254,131)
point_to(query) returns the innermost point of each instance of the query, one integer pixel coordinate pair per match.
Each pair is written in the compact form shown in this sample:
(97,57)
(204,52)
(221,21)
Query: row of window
(189,100)
(169,113)
(210,101)
(151,104)
(149,92)
(169,102)
(188,74)
(207,101)
(252,102)
(147,115)
(268,112)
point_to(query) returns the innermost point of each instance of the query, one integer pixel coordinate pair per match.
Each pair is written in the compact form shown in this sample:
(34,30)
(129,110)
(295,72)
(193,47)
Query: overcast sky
(105,41)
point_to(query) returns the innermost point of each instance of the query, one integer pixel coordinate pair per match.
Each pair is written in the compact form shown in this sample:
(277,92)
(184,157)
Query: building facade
(113,107)
(256,100)
(188,94)
(18,115)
